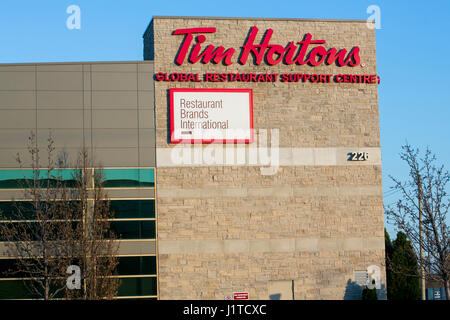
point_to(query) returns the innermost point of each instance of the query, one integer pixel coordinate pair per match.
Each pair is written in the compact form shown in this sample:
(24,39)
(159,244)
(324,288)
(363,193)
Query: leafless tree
(424,192)
(69,226)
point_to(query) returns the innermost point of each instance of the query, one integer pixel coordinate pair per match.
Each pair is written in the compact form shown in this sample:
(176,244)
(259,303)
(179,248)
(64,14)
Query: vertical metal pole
(422,268)
(293,296)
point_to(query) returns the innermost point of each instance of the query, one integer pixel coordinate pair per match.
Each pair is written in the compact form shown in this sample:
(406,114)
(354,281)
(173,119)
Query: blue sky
(412,52)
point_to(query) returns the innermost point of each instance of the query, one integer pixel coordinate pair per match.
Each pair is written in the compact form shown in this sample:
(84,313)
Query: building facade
(289,208)
(101,107)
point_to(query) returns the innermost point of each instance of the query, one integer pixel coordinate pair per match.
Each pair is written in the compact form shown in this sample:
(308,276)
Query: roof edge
(75,62)
(252,18)
(260,18)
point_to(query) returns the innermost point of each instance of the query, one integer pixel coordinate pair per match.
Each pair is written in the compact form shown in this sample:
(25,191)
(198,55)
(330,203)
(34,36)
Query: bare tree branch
(428,183)
(68,226)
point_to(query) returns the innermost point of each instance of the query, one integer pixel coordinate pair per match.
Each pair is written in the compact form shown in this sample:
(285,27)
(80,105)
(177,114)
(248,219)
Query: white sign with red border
(211,115)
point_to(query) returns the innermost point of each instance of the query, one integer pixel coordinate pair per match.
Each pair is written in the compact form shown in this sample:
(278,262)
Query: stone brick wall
(224,229)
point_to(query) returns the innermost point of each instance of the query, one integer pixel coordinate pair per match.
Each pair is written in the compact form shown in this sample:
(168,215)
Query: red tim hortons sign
(199,50)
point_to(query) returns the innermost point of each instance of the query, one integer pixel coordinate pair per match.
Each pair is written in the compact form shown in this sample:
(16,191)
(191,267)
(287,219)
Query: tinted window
(35,231)
(133,229)
(124,209)
(25,209)
(126,178)
(136,265)
(137,287)
(18,179)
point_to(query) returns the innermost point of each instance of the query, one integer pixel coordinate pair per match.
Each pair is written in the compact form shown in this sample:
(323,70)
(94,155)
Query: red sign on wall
(240,296)
(198,50)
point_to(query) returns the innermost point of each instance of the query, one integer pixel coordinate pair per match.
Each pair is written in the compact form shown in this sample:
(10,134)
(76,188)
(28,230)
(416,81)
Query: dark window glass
(17,210)
(18,179)
(126,209)
(126,178)
(136,266)
(14,289)
(9,267)
(133,229)
(6,267)
(27,231)
(10,209)
(137,287)
(34,231)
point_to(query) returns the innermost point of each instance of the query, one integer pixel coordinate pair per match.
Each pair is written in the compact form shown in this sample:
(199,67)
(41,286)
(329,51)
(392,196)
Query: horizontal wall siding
(105,107)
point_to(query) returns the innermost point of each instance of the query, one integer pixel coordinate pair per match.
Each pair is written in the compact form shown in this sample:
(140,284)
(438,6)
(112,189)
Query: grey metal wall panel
(114,81)
(114,67)
(86,81)
(145,67)
(88,140)
(146,118)
(147,157)
(18,99)
(10,80)
(137,247)
(110,119)
(68,154)
(14,138)
(60,99)
(63,138)
(115,138)
(87,112)
(60,81)
(9,194)
(17,118)
(146,100)
(145,81)
(147,138)
(82,104)
(131,193)
(60,119)
(13,194)
(18,68)
(5,249)
(116,157)
(8,157)
(114,99)
(59,67)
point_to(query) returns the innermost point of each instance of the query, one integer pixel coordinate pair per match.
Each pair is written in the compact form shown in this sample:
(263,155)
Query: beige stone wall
(228,229)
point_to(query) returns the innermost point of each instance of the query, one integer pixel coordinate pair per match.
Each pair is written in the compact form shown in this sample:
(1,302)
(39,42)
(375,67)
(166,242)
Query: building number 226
(357,156)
